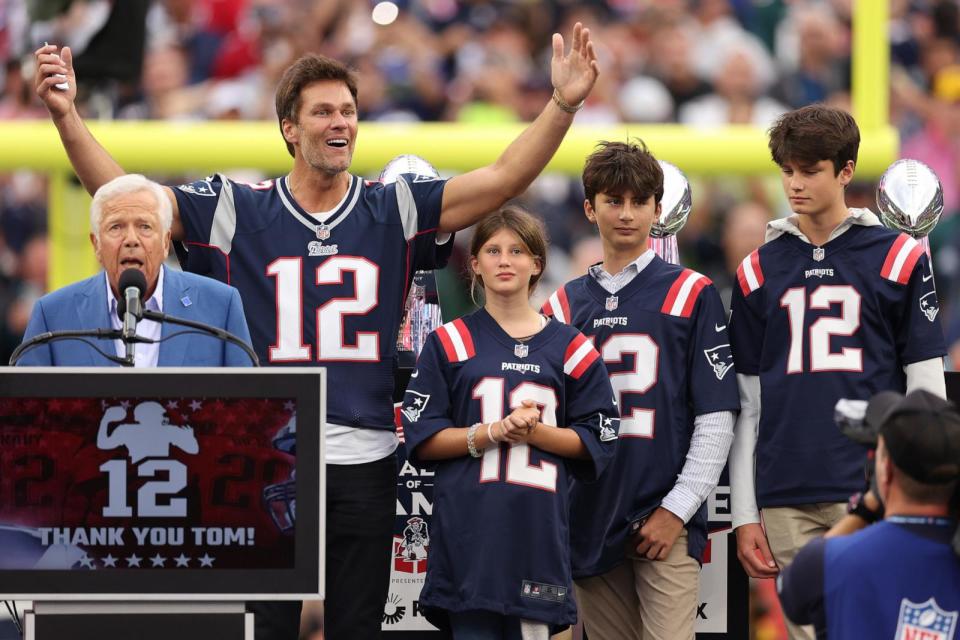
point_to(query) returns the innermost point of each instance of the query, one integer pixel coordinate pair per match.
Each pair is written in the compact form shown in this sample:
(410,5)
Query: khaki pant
(788,529)
(643,599)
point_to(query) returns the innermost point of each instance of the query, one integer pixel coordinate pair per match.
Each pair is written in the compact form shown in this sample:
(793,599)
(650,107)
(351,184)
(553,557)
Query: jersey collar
(862,217)
(328,219)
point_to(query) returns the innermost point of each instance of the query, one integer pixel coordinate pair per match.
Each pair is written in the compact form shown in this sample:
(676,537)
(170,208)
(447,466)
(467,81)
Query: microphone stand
(101,334)
(224,335)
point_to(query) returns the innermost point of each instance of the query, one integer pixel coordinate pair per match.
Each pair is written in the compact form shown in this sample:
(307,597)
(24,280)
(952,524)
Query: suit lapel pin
(186,301)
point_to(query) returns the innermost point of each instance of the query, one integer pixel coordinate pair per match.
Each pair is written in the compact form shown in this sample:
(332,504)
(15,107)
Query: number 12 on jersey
(331,338)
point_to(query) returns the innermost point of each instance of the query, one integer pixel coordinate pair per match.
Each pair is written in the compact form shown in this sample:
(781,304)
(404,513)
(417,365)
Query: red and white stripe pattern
(749,274)
(456,341)
(558,306)
(579,356)
(901,259)
(684,293)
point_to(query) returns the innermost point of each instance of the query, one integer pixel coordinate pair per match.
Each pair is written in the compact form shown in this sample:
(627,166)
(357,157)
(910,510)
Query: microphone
(132,285)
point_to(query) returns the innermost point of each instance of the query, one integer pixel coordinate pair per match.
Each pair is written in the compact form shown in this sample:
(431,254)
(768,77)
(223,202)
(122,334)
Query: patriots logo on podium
(413,405)
(929,305)
(720,358)
(925,620)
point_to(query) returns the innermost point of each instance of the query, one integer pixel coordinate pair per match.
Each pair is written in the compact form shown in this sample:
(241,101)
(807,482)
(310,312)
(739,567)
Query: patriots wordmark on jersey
(326,288)
(508,509)
(666,349)
(815,331)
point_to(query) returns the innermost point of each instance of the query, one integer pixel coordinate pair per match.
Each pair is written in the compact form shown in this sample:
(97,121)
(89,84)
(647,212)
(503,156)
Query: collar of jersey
(637,283)
(328,219)
(862,217)
(542,337)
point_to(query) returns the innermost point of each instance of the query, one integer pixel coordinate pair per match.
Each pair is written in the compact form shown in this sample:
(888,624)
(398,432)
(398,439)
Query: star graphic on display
(173,404)
(109,561)
(133,561)
(86,561)
(195,405)
(125,404)
(206,561)
(182,560)
(288,405)
(158,561)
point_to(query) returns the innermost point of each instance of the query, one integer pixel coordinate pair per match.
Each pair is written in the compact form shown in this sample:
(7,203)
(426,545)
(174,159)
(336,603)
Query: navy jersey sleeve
(800,586)
(591,409)
(746,327)
(198,202)
(919,335)
(426,402)
(712,378)
(419,200)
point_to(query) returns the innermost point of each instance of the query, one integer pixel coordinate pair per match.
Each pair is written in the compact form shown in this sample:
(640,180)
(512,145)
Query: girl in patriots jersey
(511,406)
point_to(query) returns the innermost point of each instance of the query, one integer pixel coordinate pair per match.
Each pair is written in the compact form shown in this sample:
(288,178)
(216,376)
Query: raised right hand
(49,64)
(754,551)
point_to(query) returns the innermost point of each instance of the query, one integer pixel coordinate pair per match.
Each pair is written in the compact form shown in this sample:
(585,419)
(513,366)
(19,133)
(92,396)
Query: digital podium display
(151,482)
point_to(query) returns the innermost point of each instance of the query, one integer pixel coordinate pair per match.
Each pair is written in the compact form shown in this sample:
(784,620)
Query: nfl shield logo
(323,232)
(612,303)
(925,620)
(521,350)
(819,254)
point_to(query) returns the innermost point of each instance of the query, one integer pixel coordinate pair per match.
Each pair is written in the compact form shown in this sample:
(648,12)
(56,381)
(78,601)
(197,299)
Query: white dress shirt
(144,355)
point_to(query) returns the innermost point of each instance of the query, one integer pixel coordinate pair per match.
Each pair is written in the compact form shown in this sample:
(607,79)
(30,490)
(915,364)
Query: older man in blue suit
(130,220)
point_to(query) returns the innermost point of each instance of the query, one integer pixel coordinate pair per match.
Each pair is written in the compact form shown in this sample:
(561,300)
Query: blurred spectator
(738,95)
(821,65)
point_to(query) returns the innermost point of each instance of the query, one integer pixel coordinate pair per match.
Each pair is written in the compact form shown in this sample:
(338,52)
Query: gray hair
(129,183)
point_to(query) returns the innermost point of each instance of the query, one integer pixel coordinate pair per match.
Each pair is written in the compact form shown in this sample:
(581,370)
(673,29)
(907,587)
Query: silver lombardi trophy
(675,208)
(910,199)
(422,310)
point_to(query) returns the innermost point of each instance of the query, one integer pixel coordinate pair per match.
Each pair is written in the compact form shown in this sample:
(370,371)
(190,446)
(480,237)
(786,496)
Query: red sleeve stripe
(579,356)
(558,306)
(683,294)
(901,259)
(456,341)
(749,274)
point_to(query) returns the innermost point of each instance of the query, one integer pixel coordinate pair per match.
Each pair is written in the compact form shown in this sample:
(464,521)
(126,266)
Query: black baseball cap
(925,444)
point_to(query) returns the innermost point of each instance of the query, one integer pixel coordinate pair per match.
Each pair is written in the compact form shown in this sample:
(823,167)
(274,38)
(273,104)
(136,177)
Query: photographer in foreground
(900,577)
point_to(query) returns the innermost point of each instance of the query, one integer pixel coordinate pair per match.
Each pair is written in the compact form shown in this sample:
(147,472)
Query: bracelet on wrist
(564,105)
(490,437)
(471,441)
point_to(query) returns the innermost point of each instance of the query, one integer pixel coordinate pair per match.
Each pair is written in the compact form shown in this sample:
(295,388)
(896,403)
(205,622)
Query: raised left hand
(657,535)
(574,74)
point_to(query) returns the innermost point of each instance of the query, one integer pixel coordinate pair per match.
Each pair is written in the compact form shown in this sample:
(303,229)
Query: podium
(154,503)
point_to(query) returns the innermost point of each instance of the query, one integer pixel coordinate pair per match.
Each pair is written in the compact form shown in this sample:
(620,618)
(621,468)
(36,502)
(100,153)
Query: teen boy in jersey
(639,532)
(833,305)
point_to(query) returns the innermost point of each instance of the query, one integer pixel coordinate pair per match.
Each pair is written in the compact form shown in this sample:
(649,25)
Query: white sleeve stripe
(902,255)
(407,207)
(557,307)
(574,360)
(684,293)
(224,218)
(752,281)
(457,341)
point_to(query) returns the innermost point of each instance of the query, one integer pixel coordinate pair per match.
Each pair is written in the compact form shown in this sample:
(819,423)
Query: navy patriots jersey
(820,324)
(500,532)
(330,291)
(664,341)
(896,579)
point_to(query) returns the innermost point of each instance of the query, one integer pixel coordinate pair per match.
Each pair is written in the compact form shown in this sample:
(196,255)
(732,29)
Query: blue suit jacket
(83,305)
